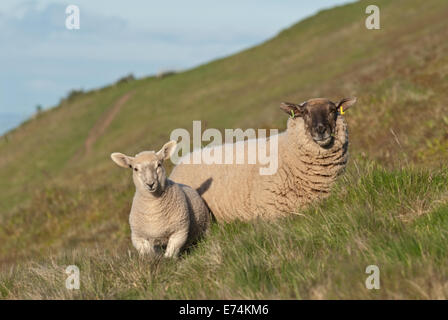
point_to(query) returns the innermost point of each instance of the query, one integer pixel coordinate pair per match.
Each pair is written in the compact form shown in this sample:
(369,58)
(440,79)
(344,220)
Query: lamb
(312,153)
(163,212)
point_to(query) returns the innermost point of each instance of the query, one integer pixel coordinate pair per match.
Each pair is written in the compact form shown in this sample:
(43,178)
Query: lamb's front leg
(175,243)
(143,246)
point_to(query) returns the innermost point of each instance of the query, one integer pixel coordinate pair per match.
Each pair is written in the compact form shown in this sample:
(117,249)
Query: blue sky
(40,60)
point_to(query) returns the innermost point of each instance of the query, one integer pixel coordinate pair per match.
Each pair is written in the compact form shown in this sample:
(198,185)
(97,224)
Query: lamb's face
(320,117)
(148,172)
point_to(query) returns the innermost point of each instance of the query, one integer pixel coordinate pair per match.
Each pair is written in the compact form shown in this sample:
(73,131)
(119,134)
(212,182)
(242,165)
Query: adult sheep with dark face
(312,153)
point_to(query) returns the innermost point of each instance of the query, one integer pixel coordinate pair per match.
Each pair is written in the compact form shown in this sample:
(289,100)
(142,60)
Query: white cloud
(42,84)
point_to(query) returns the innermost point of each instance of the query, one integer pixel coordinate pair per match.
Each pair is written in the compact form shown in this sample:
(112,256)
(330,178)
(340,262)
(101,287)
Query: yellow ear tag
(342,111)
(292,114)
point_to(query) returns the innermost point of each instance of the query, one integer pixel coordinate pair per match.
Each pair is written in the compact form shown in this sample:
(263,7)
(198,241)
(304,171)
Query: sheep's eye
(135,169)
(159,165)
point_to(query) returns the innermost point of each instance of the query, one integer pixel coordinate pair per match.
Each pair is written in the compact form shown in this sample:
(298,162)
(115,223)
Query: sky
(41,60)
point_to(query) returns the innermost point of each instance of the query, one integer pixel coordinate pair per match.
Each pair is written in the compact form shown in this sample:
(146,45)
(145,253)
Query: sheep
(163,212)
(312,153)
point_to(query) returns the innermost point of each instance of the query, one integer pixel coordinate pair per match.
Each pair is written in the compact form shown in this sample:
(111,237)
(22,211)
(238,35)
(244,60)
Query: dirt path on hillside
(102,124)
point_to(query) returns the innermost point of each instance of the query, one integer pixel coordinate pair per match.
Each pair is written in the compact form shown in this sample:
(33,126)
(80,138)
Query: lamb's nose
(320,128)
(150,185)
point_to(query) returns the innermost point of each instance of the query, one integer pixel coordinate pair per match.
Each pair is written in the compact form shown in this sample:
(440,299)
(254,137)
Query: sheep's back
(225,188)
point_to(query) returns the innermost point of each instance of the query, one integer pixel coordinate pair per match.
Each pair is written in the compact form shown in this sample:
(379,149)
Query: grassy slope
(390,208)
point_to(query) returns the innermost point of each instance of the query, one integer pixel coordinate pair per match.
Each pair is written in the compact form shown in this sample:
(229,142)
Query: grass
(397,220)
(61,206)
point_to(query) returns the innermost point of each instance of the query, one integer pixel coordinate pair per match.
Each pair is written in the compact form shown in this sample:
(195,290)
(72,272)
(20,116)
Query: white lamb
(163,212)
(311,154)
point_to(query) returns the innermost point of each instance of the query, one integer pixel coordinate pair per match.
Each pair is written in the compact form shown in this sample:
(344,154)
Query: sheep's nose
(320,128)
(150,185)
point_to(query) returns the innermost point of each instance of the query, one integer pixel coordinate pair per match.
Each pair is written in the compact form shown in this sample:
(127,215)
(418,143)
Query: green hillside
(63,201)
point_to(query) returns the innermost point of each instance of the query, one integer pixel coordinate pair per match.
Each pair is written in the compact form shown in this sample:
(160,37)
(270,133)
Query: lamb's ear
(122,160)
(346,103)
(167,150)
(293,109)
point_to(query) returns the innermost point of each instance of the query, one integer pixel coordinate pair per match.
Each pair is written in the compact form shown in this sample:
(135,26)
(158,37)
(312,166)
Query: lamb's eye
(135,169)
(159,165)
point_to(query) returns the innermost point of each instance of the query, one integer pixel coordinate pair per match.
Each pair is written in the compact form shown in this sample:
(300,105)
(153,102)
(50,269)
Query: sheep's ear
(346,103)
(167,150)
(122,160)
(294,110)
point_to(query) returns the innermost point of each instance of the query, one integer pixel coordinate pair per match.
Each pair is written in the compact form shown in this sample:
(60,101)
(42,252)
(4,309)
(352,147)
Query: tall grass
(397,220)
